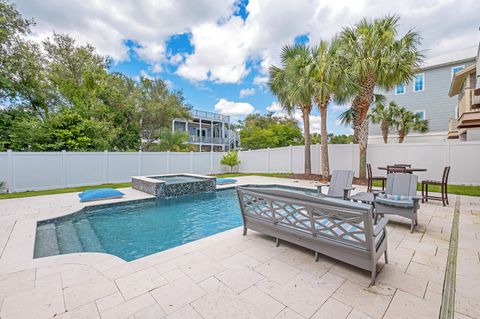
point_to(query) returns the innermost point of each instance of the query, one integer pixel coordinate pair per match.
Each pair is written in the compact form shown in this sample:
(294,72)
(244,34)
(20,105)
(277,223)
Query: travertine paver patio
(231,276)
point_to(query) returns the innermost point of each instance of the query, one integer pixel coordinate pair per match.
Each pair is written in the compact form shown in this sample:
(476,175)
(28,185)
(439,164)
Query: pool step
(68,240)
(88,237)
(46,243)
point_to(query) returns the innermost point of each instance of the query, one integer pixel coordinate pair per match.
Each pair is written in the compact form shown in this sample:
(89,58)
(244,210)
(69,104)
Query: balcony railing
(207,140)
(210,115)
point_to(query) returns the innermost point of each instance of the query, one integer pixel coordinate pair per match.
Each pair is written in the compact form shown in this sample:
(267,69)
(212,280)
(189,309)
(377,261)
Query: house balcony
(469,119)
(452,129)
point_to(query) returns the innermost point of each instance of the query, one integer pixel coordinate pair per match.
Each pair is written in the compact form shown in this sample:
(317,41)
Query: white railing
(46,170)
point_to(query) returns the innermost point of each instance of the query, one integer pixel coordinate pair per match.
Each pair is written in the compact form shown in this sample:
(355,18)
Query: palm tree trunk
(323,131)
(385,132)
(306,134)
(362,143)
(401,136)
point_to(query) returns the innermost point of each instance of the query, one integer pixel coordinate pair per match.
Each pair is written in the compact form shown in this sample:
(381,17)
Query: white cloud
(107,24)
(260,80)
(226,48)
(247,92)
(231,108)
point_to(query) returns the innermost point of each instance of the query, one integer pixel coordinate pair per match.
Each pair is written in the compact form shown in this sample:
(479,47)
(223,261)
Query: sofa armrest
(378,228)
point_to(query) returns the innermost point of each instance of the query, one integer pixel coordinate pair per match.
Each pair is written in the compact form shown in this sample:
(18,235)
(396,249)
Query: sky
(218,51)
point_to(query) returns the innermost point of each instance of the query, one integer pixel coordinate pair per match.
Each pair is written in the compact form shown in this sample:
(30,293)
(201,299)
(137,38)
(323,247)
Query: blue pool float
(224,181)
(99,194)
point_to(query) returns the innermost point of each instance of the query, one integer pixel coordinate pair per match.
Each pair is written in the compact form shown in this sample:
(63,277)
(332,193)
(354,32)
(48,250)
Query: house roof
(459,78)
(462,55)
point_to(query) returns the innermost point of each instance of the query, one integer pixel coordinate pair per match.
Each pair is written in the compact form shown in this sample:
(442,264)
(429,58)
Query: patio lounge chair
(340,229)
(340,184)
(400,197)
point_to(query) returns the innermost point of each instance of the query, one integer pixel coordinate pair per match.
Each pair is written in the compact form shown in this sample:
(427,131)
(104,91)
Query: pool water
(134,230)
(176,179)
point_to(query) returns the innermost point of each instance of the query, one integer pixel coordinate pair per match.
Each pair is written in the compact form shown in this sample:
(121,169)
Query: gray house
(210,131)
(428,94)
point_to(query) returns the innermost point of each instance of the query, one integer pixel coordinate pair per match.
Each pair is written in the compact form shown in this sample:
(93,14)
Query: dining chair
(372,178)
(443,188)
(396,169)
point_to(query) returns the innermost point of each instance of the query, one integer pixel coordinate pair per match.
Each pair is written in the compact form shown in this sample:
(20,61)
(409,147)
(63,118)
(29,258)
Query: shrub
(230,159)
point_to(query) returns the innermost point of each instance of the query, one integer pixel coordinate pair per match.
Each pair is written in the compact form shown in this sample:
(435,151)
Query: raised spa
(173,185)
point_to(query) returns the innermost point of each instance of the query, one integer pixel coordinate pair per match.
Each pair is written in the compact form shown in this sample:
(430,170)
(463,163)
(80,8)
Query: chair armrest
(319,187)
(377,229)
(346,192)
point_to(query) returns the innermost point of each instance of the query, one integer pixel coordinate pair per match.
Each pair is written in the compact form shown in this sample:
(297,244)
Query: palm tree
(377,57)
(384,115)
(330,82)
(406,121)
(293,85)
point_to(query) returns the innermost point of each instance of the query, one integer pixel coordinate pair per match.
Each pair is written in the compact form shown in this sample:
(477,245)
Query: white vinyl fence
(47,170)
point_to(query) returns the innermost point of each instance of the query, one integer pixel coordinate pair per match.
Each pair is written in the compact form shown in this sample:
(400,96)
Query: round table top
(407,169)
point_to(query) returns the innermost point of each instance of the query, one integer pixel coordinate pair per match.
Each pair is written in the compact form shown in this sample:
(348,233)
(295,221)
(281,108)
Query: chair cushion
(98,194)
(395,200)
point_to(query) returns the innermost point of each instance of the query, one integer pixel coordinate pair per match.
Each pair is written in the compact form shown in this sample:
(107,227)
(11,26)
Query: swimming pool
(137,229)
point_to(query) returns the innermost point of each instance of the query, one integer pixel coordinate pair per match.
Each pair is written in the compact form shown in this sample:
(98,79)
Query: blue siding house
(427,94)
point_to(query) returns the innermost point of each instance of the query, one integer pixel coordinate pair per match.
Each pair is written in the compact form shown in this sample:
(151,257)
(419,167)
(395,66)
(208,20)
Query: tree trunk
(323,131)
(306,134)
(385,132)
(401,136)
(362,143)
(362,102)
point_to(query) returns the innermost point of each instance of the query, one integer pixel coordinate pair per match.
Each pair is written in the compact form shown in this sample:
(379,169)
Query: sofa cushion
(395,200)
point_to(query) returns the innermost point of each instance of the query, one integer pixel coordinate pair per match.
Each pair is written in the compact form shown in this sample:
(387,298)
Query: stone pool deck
(231,276)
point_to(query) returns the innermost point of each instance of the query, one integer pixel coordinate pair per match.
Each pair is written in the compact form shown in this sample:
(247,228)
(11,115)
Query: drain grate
(447,308)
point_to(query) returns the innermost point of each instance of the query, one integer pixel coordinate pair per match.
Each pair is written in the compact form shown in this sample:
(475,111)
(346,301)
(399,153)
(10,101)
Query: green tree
(406,121)
(331,81)
(13,28)
(294,86)
(158,106)
(258,131)
(230,159)
(376,57)
(170,141)
(384,115)
(340,139)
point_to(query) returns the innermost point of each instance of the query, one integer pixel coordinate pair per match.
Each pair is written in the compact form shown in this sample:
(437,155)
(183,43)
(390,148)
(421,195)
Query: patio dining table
(409,170)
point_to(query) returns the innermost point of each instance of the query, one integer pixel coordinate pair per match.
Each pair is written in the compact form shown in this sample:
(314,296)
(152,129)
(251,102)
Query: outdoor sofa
(333,227)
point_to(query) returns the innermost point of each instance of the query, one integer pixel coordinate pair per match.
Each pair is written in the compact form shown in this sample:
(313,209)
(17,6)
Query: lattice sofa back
(341,221)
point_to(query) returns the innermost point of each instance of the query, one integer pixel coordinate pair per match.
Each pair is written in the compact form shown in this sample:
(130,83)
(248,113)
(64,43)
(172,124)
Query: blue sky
(204,95)
(218,51)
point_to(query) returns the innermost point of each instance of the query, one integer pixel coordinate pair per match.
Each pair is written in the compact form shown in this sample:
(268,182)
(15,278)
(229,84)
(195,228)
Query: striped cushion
(395,200)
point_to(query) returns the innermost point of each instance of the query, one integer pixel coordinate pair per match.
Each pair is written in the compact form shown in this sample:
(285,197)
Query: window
(457,68)
(422,113)
(400,89)
(418,82)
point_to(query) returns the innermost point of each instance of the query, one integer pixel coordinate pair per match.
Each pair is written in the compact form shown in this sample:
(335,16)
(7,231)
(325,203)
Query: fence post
(10,171)
(64,168)
(105,167)
(268,159)
(139,162)
(291,159)
(168,162)
(211,162)
(191,162)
